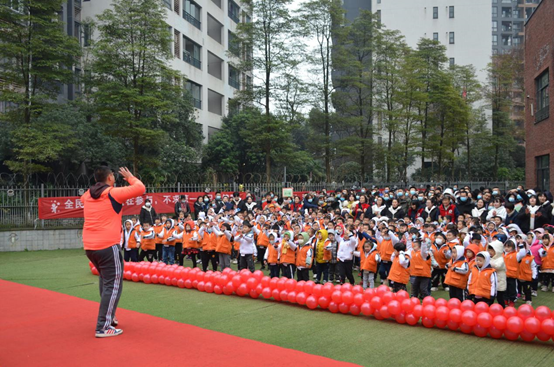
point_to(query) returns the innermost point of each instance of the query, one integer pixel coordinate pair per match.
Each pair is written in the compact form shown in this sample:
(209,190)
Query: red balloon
(336,297)
(532,325)
(382,289)
(481,307)
(147,280)
(402,295)
(242,290)
(201,286)
(282,284)
(400,318)
(276,294)
(258,274)
(236,281)
(428,301)
(259,289)
(251,283)
(174,281)
(265,281)
(290,285)
(127,275)
(415,301)
(484,319)
(324,302)
(466,329)
(429,311)
(499,322)
(333,307)
(376,303)
(347,287)
(209,287)
(469,318)
(377,315)
(301,298)
(218,289)
(154,278)
(547,326)
(495,333)
(311,302)
(480,331)
(368,294)
(266,293)
(188,284)
(309,287)
(427,322)
(366,309)
(467,305)
(292,297)
(453,303)
(253,294)
(509,312)
(456,315)
(496,309)
(347,297)
(357,289)
(344,308)
(542,313)
(452,325)
(384,312)
(194,284)
(525,311)
(135,277)
(411,319)
(527,336)
(300,286)
(228,289)
(511,335)
(440,302)
(354,309)
(442,313)
(284,295)
(358,299)
(327,290)
(317,290)
(180,282)
(514,324)
(394,307)
(273,283)
(168,281)
(407,306)
(387,297)
(542,336)
(418,311)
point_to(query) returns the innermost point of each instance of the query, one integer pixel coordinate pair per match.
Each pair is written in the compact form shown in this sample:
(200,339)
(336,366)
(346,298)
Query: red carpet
(45,328)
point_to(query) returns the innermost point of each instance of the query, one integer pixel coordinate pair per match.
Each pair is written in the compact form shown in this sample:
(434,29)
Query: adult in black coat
(464,203)
(182,206)
(147,212)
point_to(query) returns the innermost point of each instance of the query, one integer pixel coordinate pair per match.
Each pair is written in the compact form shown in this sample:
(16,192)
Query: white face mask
(439,241)
(148,205)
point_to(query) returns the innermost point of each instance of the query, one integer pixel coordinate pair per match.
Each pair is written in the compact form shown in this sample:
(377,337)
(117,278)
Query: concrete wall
(33,240)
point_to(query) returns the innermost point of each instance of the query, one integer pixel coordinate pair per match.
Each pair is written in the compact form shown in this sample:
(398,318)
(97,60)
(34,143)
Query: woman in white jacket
(497,210)
(496,250)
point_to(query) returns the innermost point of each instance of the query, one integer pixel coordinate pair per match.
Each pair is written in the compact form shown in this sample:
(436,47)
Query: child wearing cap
(457,274)
(482,280)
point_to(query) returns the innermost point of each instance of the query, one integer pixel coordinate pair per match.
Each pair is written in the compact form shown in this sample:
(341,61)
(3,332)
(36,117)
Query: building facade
(539,111)
(508,19)
(203,34)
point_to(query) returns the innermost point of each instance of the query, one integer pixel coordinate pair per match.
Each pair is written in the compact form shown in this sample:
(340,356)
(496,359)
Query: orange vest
(187,242)
(480,285)
(168,234)
(454,279)
(398,273)
(525,272)
(147,243)
(209,241)
(512,266)
(288,255)
(132,240)
(368,263)
(386,249)
(302,255)
(548,260)
(272,255)
(223,245)
(439,254)
(263,240)
(157,230)
(420,267)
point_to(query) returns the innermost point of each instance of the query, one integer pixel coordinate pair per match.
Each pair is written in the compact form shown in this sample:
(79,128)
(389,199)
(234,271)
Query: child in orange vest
(130,238)
(527,271)
(208,241)
(158,227)
(304,257)
(482,280)
(420,268)
(271,257)
(170,235)
(386,240)
(442,254)
(224,245)
(369,261)
(512,270)
(191,243)
(399,274)
(457,274)
(147,242)
(547,267)
(287,255)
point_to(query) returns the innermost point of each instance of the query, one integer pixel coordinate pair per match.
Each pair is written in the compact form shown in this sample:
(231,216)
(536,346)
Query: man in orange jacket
(103,212)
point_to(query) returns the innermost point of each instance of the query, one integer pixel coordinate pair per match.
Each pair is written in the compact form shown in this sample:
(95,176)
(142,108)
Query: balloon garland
(480,319)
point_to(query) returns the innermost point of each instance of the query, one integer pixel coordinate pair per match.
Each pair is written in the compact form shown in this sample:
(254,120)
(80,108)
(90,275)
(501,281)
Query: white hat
(531,192)
(448,192)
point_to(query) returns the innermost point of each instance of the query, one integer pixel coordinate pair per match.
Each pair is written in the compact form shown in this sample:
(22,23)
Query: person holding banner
(103,205)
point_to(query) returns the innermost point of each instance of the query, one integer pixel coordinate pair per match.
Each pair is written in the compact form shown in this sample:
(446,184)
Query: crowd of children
(482,245)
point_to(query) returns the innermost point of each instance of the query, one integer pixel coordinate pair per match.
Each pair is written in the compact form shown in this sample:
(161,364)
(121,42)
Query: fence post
(41,195)
(178,187)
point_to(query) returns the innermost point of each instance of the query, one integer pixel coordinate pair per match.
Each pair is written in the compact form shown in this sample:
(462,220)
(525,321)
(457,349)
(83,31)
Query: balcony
(197,103)
(235,83)
(187,57)
(234,16)
(192,20)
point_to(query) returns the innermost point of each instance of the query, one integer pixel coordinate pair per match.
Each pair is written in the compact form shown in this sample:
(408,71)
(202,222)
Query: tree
(136,93)
(36,57)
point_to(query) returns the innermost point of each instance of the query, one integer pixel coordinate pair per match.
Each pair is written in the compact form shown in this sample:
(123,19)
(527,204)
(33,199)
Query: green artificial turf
(358,339)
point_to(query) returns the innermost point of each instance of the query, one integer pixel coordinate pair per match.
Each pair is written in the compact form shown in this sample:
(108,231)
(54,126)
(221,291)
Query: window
(215,66)
(234,11)
(168,4)
(506,12)
(507,39)
(451,38)
(191,13)
(215,102)
(451,12)
(217,3)
(452,62)
(214,28)
(517,41)
(435,12)
(543,102)
(86,35)
(378,1)
(435,36)
(495,40)
(234,77)
(177,43)
(495,26)
(379,15)
(494,12)
(177,6)
(506,26)
(543,172)
(249,82)
(233,44)
(495,51)
(192,53)
(195,91)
